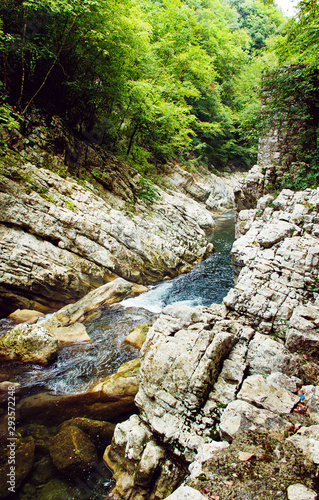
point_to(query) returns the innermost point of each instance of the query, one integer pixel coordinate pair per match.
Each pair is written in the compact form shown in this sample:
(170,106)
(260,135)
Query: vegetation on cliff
(291,94)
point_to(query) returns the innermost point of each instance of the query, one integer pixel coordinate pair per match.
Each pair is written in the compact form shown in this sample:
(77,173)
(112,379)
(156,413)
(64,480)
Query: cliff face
(220,385)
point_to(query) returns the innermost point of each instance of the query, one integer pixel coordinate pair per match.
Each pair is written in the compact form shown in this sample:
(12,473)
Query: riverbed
(79,364)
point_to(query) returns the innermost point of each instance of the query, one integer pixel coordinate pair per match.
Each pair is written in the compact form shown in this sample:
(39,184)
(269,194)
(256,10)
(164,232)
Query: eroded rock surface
(234,371)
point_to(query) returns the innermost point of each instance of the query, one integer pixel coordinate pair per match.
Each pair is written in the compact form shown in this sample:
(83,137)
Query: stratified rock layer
(59,240)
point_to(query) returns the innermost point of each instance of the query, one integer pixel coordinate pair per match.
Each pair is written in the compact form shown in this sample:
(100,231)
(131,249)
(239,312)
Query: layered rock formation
(228,376)
(60,240)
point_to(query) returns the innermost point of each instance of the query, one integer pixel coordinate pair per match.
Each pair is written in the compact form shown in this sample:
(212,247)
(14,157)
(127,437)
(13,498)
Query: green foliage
(261,21)
(146,191)
(147,79)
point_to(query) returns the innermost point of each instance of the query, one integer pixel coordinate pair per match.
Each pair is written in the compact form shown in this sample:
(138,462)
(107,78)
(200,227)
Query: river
(80,363)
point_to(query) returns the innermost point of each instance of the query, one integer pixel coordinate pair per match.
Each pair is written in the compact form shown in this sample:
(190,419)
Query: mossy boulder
(56,490)
(30,344)
(22,451)
(100,433)
(72,451)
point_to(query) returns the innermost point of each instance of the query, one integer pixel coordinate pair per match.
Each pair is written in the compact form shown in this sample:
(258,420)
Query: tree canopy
(147,79)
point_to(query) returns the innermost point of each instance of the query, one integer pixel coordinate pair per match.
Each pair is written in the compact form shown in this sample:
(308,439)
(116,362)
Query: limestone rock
(240,417)
(266,356)
(185,180)
(255,390)
(312,400)
(307,440)
(73,333)
(25,315)
(105,294)
(124,381)
(300,492)
(272,233)
(280,380)
(250,189)
(205,453)
(303,333)
(140,466)
(72,451)
(30,344)
(186,493)
(78,238)
(180,362)
(138,336)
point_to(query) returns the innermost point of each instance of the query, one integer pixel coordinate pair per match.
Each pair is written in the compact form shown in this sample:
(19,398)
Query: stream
(81,363)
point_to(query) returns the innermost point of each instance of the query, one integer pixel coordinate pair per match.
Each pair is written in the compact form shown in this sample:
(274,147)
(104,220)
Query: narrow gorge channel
(81,365)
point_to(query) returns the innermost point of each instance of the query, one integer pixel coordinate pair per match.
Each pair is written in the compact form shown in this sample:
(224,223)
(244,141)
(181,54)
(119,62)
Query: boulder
(72,451)
(311,394)
(73,333)
(307,440)
(99,432)
(30,344)
(138,336)
(272,233)
(22,451)
(25,315)
(255,390)
(280,380)
(240,416)
(140,466)
(125,381)
(266,355)
(186,493)
(106,294)
(45,407)
(56,489)
(205,453)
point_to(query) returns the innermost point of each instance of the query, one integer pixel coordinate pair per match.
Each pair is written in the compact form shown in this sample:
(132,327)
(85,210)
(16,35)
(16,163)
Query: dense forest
(152,80)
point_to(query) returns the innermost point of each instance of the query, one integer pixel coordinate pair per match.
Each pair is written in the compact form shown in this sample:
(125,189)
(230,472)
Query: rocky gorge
(219,398)
(92,244)
(217,388)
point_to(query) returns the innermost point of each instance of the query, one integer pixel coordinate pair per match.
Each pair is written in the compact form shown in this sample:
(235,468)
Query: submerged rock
(16,461)
(30,344)
(99,432)
(72,451)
